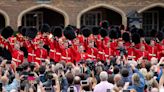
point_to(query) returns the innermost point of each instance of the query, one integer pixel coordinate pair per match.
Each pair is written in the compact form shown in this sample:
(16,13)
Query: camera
(84,82)
(162,65)
(122,51)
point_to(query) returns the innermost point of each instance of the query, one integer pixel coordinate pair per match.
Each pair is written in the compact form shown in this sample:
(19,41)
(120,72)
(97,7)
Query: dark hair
(120,83)
(116,70)
(86,88)
(42,69)
(70,78)
(125,72)
(148,66)
(111,79)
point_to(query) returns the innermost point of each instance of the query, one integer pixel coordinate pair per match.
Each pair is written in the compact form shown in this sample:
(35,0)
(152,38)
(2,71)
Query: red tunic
(31,51)
(92,53)
(41,54)
(66,55)
(108,53)
(17,56)
(142,54)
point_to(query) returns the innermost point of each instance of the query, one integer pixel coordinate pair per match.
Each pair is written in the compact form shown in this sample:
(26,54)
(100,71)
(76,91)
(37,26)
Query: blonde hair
(148,76)
(144,71)
(135,79)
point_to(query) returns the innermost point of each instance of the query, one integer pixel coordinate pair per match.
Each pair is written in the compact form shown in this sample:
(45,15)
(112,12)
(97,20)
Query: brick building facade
(80,12)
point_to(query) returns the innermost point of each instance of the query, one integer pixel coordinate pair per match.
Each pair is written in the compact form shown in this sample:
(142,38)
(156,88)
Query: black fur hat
(160,35)
(7,32)
(103,32)
(126,37)
(23,31)
(86,32)
(69,33)
(133,30)
(104,24)
(153,33)
(57,31)
(136,38)
(44,28)
(113,33)
(141,32)
(95,30)
(31,32)
(6,54)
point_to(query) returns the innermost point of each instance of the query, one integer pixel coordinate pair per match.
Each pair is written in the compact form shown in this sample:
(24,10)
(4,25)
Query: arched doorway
(94,14)
(40,14)
(152,17)
(2,21)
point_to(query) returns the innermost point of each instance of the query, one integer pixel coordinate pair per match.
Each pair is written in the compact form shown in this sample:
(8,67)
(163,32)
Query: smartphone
(71,89)
(30,74)
(48,89)
(108,90)
(53,82)
(8,62)
(35,85)
(127,90)
(84,82)
(0,87)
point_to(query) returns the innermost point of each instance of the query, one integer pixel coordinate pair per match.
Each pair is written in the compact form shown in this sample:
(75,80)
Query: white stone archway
(7,19)
(151,6)
(66,17)
(107,6)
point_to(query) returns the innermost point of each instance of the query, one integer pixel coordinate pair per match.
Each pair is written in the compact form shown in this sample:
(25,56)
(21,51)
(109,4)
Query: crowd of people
(102,58)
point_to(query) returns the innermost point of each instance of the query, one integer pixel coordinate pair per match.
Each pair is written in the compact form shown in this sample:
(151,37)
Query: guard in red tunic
(108,52)
(152,49)
(41,53)
(31,51)
(142,53)
(66,53)
(80,55)
(12,40)
(91,51)
(17,55)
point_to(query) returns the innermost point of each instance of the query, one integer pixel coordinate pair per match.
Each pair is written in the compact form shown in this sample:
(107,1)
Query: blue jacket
(64,84)
(140,87)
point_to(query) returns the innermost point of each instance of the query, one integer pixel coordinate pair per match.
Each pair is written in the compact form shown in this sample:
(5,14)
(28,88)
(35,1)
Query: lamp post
(134,19)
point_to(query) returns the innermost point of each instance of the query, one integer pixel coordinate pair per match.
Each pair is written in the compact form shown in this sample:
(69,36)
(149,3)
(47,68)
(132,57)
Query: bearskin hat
(69,33)
(57,31)
(86,32)
(103,32)
(153,33)
(160,35)
(7,32)
(136,38)
(141,32)
(95,30)
(113,33)
(44,28)
(104,24)
(126,37)
(31,32)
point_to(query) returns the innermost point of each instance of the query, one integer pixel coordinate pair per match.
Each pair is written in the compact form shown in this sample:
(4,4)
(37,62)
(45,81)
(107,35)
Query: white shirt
(103,86)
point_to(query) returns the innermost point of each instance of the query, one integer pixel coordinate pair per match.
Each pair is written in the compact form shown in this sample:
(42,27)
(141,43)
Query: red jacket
(41,54)
(17,56)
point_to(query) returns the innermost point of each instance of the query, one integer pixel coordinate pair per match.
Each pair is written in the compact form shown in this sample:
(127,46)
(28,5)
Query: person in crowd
(104,85)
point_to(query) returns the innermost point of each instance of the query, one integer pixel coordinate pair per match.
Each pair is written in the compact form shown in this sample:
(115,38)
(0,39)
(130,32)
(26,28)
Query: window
(91,18)
(33,19)
(150,21)
(43,1)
